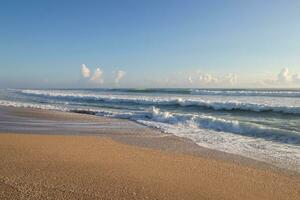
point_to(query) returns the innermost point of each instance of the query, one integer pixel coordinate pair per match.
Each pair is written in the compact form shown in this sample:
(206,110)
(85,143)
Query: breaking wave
(156,101)
(203,122)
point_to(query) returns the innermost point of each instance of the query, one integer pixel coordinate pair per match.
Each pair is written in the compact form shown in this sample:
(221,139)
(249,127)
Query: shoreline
(136,134)
(49,138)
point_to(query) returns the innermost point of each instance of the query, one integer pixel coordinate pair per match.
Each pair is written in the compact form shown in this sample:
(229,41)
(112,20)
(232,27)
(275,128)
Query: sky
(149,43)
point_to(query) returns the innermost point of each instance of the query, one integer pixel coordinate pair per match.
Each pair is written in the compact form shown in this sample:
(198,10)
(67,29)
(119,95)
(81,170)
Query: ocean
(260,124)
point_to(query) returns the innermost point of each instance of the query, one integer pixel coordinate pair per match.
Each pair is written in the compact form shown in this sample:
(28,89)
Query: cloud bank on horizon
(197,78)
(209,79)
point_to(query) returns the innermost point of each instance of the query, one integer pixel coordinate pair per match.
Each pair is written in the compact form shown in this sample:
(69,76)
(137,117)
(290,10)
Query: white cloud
(195,78)
(284,78)
(97,77)
(119,75)
(190,79)
(296,78)
(206,79)
(230,78)
(92,78)
(85,71)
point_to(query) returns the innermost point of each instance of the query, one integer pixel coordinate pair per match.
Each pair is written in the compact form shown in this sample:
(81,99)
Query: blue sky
(164,43)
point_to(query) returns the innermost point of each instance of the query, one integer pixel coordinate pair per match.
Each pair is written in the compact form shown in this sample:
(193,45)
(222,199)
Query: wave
(269,93)
(203,122)
(157,101)
(204,92)
(151,90)
(31,105)
(190,120)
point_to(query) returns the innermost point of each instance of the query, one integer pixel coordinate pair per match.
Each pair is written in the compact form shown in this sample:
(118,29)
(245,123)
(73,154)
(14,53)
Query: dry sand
(43,166)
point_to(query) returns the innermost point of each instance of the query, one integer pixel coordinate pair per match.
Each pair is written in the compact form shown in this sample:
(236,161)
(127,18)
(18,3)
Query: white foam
(145,100)
(279,154)
(207,122)
(269,93)
(211,132)
(31,105)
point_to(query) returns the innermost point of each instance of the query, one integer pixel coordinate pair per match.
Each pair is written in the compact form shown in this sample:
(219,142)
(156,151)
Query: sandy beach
(57,155)
(157,100)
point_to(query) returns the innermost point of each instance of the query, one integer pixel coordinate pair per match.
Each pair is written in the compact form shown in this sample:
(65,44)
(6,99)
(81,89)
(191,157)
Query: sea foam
(155,101)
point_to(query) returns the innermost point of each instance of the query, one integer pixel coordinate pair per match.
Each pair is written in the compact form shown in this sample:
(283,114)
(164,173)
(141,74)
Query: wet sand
(56,155)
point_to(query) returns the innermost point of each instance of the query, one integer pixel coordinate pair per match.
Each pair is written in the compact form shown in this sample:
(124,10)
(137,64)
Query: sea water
(260,124)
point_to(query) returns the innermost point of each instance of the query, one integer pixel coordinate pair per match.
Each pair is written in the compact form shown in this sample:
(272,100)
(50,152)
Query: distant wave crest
(207,92)
(270,93)
(215,105)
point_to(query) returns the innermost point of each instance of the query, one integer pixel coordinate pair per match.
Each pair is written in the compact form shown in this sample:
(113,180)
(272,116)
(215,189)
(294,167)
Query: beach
(157,100)
(49,155)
